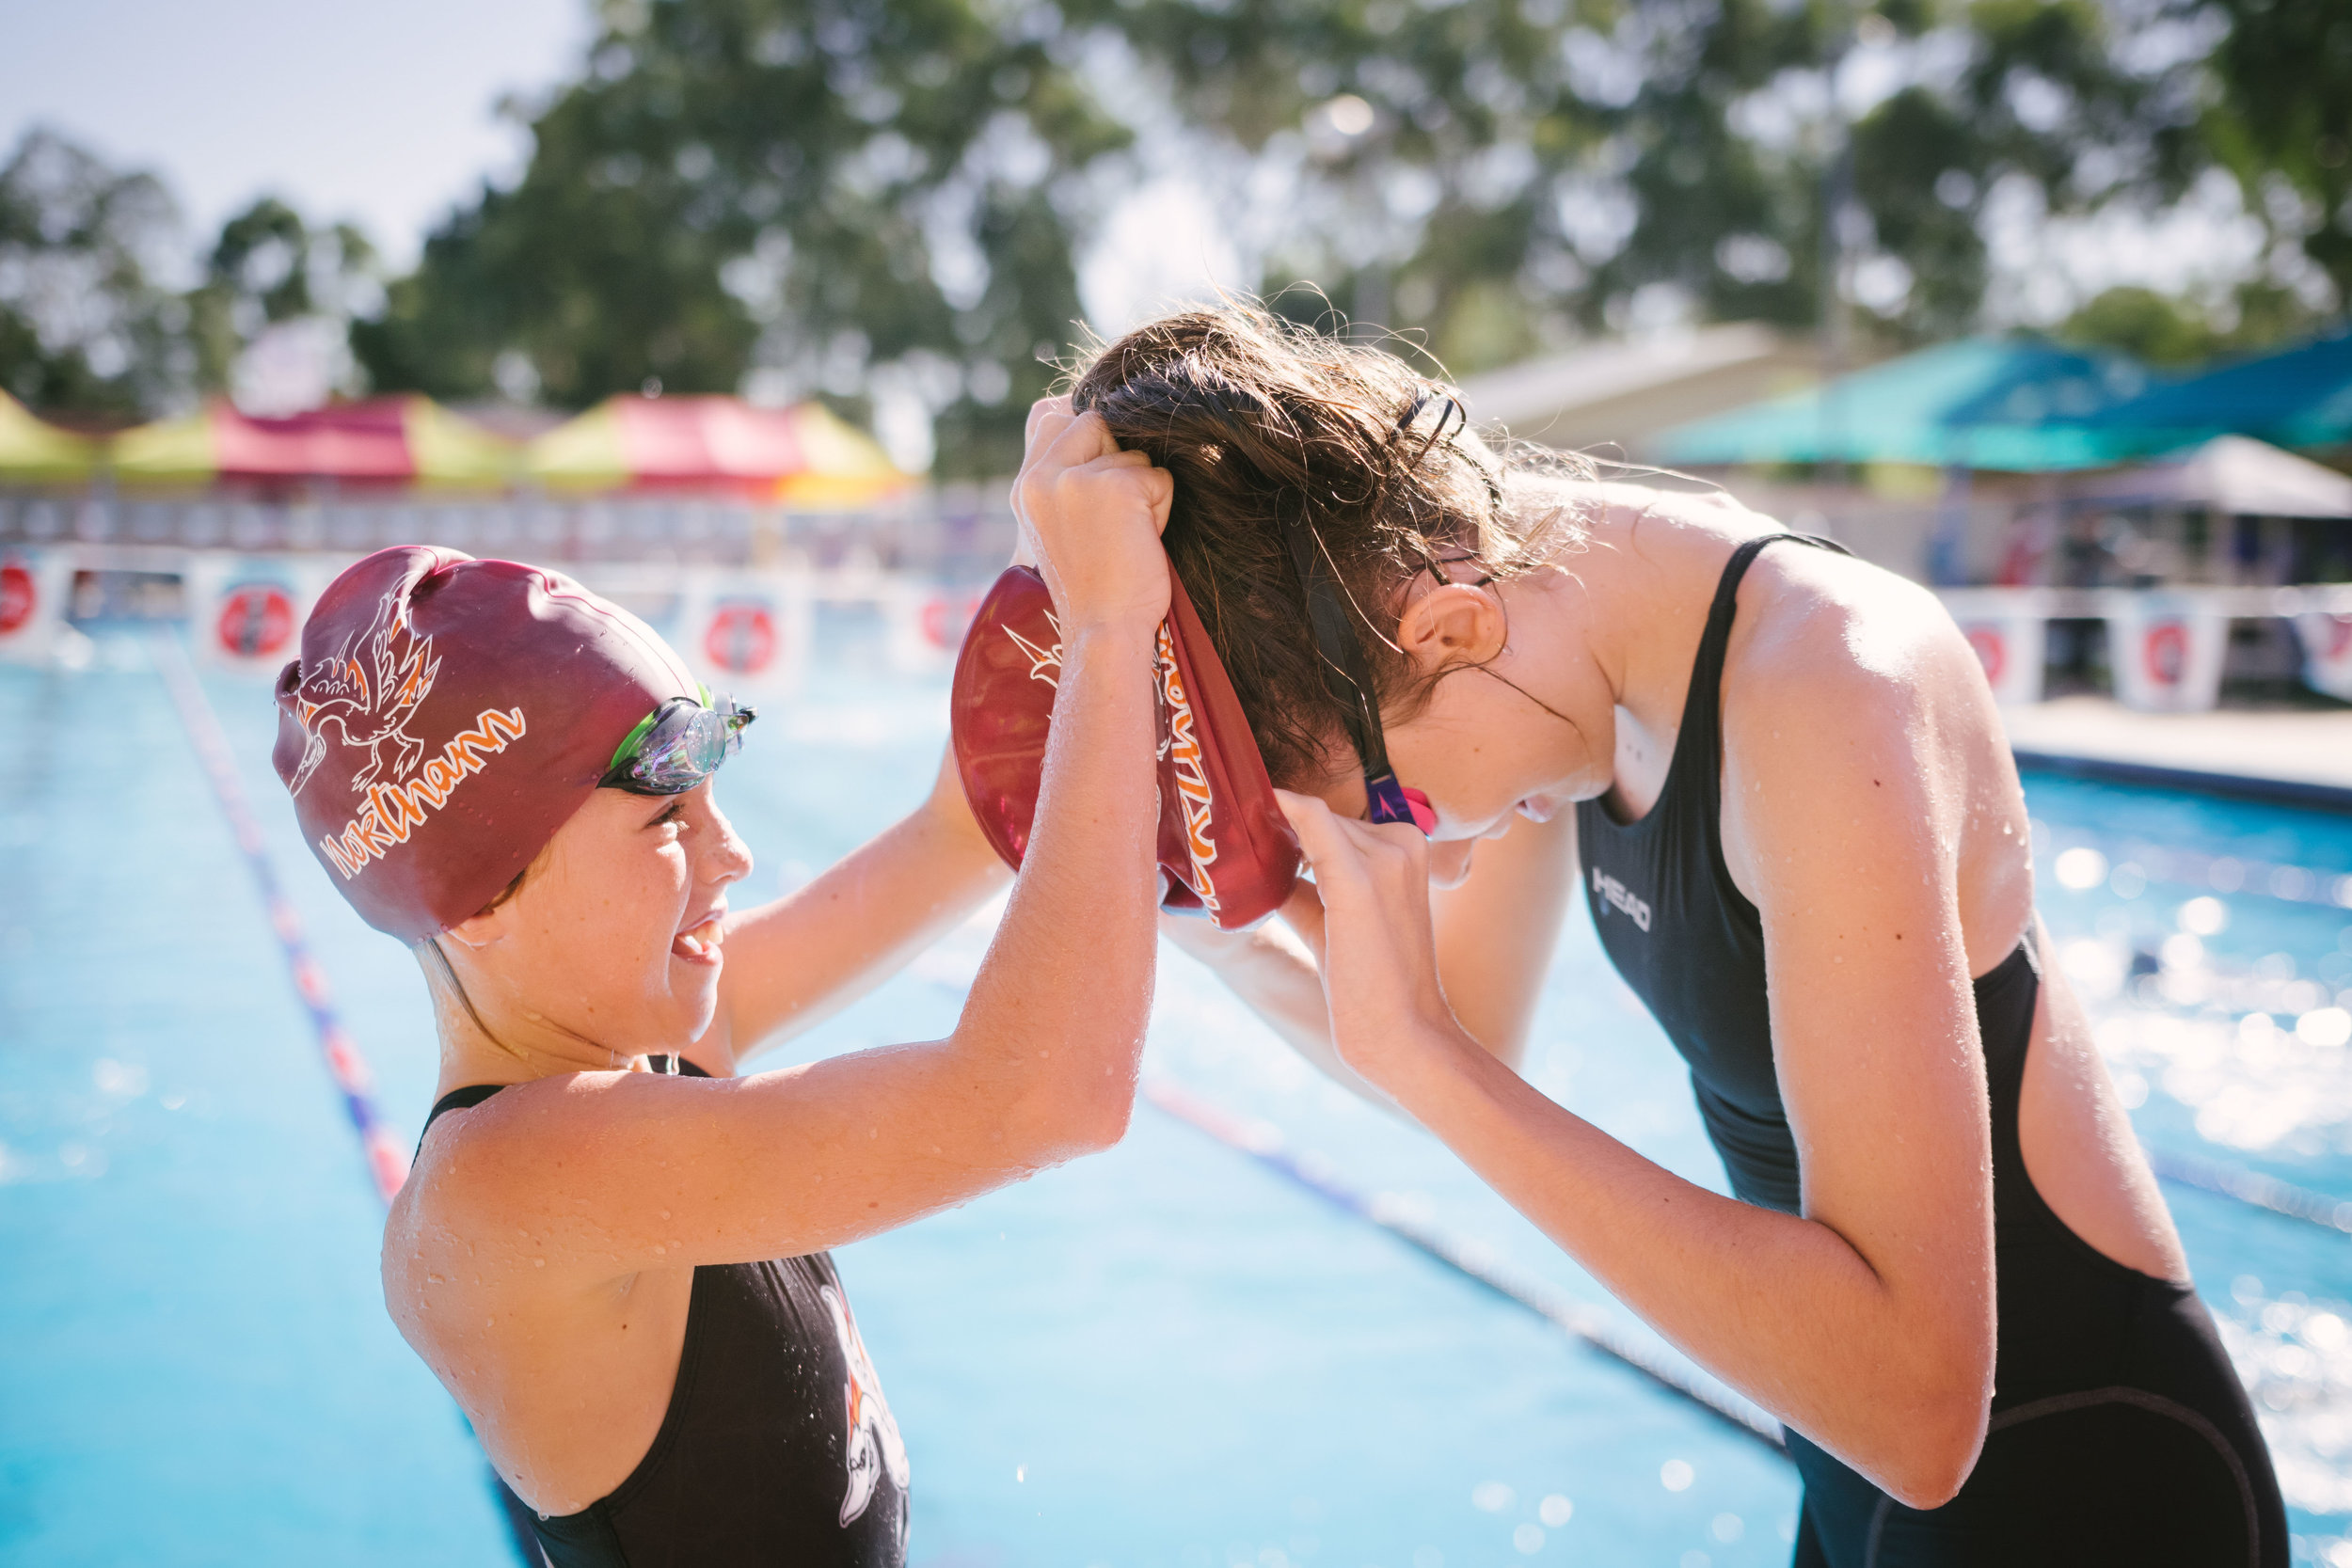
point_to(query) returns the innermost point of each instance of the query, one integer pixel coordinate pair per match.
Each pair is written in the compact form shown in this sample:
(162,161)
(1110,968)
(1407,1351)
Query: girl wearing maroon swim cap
(1778,777)
(611,1248)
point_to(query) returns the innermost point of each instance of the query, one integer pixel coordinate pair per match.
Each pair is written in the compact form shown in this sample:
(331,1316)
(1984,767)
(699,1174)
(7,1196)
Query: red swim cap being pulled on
(446,717)
(1225,849)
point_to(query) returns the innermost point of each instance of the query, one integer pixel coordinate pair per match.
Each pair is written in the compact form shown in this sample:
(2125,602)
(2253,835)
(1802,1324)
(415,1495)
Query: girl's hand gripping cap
(1225,849)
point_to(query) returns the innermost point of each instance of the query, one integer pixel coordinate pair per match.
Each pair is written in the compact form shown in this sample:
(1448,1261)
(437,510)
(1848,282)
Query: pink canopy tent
(802,456)
(390,441)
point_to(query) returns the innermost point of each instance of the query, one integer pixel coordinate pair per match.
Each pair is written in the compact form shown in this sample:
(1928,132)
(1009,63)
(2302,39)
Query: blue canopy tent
(2011,404)
(2298,398)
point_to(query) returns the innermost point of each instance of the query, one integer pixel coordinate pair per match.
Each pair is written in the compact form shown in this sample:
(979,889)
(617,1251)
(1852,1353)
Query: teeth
(693,944)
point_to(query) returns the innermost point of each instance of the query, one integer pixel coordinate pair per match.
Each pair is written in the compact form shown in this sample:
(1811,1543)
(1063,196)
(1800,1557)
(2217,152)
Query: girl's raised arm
(629,1171)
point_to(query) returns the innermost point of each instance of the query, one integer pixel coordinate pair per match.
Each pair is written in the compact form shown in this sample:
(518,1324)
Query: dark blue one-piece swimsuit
(2119,1432)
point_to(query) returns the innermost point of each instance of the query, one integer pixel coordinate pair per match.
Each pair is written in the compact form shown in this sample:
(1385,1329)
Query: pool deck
(2293,755)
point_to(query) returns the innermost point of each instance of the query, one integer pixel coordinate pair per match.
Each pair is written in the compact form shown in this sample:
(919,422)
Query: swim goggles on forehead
(677,745)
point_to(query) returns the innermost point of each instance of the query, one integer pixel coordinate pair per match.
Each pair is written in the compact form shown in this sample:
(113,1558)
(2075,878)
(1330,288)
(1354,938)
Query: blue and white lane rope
(2253,1188)
(1594,1327)
(386,1158)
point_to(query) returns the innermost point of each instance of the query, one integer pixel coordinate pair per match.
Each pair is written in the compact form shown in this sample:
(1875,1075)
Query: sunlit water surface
(1162,1355)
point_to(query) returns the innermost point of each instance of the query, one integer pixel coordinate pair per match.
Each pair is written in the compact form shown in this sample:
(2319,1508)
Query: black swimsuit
(776,1446)
(2119,1432)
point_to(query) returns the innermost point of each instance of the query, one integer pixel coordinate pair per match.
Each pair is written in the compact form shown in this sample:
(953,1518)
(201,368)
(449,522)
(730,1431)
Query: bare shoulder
(1854,714)
(1629,501)
(1846,682)
(481,1173)
(1828,638)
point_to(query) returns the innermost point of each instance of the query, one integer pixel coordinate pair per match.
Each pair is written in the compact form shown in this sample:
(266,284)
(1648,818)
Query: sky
(385,112)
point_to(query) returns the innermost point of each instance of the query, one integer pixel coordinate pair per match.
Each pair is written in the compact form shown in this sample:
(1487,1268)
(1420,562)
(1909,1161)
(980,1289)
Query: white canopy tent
(2230,474)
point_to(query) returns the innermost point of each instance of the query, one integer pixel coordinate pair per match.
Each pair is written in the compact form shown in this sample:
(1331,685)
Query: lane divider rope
(1263,1143)
(2252,1187)
(387,1157)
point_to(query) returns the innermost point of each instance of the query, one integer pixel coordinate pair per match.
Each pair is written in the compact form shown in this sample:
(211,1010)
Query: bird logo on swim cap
(1225,849)
(447,715)
(367,704)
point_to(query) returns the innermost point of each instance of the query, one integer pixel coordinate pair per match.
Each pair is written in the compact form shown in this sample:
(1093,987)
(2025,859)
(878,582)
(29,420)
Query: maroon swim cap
(446,717)
(1225,849)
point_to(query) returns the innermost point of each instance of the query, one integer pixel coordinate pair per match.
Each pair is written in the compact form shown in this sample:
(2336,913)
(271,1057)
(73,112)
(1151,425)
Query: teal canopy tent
(2009,404)
(2298,398)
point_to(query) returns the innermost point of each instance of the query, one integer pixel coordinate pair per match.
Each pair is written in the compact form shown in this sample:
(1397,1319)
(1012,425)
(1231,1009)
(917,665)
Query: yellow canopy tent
(33,451)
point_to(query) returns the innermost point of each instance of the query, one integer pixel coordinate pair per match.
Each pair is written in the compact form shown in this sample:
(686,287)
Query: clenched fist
(1092,516)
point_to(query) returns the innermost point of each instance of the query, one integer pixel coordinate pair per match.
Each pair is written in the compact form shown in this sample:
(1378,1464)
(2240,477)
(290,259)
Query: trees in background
(1498,173)
(85,323)
(96,316)
(2282,120)
(271,316)
(836,197)
(881,201)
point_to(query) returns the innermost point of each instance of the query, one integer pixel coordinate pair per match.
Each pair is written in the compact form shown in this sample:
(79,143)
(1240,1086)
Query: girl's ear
(1454,625)
(478,932)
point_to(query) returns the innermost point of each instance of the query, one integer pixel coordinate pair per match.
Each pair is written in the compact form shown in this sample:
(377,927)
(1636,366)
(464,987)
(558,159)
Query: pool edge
(2243,786)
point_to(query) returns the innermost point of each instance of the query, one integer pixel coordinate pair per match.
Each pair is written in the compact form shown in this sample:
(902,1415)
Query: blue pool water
(1163,1356)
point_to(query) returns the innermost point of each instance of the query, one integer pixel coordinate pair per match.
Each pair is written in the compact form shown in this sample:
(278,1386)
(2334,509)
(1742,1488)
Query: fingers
(1324,840)
(1040,409)
(1303,913)
(1160,490)
(1390,857)
(1075,439)
(1048,418)
(1060,441)
(1308,817)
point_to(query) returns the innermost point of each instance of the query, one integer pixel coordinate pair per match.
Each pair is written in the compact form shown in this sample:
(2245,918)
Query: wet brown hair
(1264,424)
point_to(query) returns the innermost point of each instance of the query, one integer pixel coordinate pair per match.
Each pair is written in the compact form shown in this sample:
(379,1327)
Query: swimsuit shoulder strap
(458,1100)
(475,1094)
(1701,709)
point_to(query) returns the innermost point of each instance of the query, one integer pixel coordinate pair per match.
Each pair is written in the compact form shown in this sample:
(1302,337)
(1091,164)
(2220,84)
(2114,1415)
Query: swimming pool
(1163,1356)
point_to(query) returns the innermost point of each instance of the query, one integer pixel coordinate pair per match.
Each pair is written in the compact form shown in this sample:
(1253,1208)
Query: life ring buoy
(2164,653)
(256,619)
(945,618)
(741,637)
(18,599)
(1992,650)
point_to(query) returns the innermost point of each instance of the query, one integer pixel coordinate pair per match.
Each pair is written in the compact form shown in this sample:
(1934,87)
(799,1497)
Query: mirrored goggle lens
(685,746)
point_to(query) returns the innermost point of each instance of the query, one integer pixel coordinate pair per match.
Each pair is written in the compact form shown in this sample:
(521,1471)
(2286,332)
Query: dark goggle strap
(1346,674)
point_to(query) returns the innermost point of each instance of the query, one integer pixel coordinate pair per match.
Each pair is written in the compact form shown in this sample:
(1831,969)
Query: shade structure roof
(2010,403)
(2301,397)
(33,451)
(803,455)
(402,441)
(2229,473)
